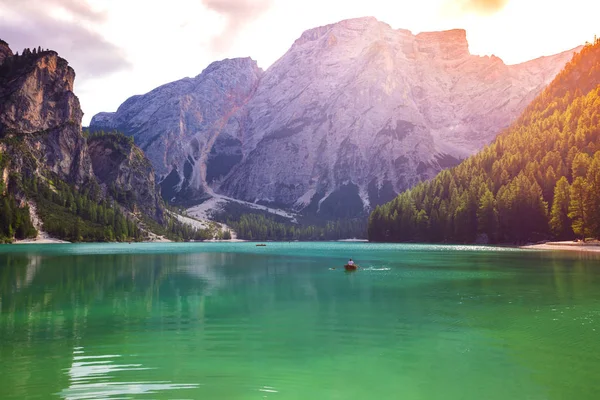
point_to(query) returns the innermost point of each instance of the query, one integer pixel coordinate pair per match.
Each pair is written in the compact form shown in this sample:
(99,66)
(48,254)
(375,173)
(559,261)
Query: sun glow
(161,41)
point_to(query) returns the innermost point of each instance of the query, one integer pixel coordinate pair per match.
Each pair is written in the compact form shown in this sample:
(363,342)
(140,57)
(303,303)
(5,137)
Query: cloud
(481,6)
(32,23)
(237,13)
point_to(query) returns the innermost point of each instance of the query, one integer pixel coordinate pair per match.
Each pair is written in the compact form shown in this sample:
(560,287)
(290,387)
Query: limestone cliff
(352,114)
(40,112)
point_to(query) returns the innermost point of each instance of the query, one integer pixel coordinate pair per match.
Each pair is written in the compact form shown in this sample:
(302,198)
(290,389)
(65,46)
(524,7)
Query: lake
(236,321)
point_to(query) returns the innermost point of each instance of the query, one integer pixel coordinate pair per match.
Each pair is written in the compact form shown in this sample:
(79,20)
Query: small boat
(349,267)
(261,245)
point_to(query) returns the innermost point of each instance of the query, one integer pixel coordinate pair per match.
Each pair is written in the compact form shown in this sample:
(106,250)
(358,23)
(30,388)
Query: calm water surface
(236,321)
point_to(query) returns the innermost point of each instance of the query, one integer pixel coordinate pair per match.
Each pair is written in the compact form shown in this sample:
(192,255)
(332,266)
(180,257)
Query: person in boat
(350,262)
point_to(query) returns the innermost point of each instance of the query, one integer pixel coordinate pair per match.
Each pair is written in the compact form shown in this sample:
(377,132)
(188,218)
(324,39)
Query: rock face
(352,114)
(124,168)
(39,110)
(40,130)
(178,124)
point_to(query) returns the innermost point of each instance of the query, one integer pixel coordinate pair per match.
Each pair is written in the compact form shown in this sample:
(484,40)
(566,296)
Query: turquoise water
(236,321)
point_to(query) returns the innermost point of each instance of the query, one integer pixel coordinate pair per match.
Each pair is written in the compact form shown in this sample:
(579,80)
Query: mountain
(97,188)
(539,180)
(178,124)
(351,115)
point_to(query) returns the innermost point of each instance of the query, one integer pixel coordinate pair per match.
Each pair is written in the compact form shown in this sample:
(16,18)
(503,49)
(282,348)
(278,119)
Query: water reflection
(93,377)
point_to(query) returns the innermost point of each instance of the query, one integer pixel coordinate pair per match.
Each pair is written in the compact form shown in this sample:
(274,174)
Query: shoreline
(50,240)
(592,247)
(43,240)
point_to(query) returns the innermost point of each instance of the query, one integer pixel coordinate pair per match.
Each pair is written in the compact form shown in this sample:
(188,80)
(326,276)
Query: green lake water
(236,321)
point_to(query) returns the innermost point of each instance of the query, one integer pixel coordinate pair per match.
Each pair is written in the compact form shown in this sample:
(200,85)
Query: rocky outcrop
(40,115)
(40,94)
(40,130)
(126,172)
(352,114)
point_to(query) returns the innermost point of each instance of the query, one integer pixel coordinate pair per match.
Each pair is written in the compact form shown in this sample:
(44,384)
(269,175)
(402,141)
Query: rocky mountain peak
(349,30)
(231,64)
(357,111)
(352,114)
(180,122)
(450,44)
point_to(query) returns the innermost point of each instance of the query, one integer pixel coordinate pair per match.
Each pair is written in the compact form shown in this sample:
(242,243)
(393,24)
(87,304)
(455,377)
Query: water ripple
(86,371)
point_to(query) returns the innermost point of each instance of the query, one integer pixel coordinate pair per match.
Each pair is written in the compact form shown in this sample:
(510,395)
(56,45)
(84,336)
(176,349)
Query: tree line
(539,180)
(82,214)
(118,137)
(18,61)
(262,227)
(15,220)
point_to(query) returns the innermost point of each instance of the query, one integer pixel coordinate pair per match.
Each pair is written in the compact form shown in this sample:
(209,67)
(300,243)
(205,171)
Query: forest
(260,227)
(85,214)
(539,180)
(255,225)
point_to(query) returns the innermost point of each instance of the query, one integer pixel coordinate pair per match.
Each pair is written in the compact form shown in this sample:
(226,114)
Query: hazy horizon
(119,49)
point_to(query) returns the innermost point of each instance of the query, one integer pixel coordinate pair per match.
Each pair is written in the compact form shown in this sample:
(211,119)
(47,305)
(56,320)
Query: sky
(121,48)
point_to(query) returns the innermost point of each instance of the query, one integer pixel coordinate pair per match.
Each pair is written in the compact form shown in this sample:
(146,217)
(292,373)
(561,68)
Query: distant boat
(349,267)
(261,245)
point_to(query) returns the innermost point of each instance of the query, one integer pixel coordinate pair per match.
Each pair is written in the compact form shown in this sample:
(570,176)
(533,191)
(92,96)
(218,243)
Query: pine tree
(581,164)
(579,208)
(422,225)
(487,216)
(593,180)
(560,224)
(77,230)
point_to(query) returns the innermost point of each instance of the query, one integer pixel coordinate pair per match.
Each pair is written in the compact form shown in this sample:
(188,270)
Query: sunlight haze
(120,48)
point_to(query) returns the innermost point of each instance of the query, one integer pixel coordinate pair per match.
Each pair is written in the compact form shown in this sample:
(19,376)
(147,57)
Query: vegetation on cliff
(15,220)
(87,213)
(46,161)
(538,180)
(14,64)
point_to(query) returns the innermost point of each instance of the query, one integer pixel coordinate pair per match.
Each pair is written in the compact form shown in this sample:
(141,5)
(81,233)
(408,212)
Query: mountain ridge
(308,127)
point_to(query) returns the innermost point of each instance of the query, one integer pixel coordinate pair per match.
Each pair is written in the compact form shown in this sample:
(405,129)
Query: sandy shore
(41,240)
(567,246)
(226,241)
